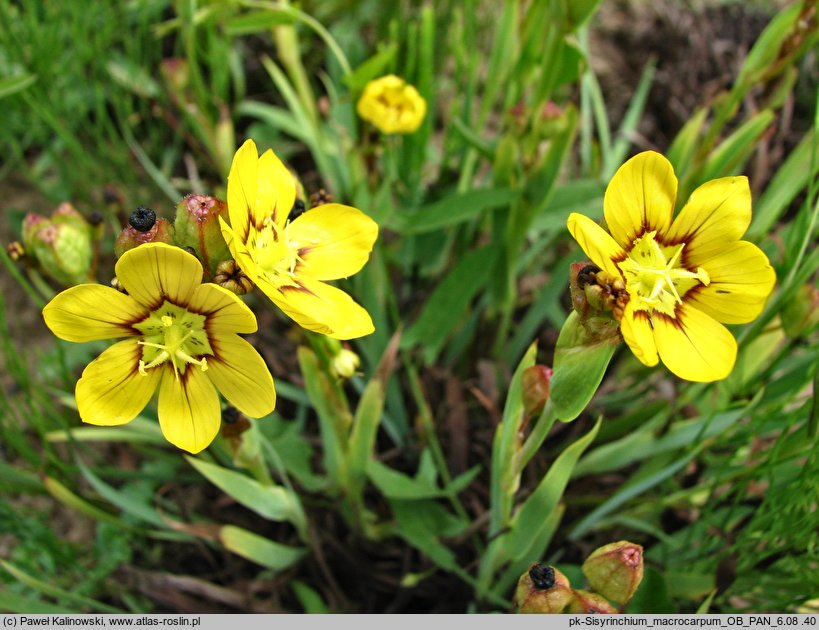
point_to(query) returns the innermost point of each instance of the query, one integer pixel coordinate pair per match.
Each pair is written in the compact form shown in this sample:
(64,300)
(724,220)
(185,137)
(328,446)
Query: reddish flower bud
(543,589)
(587,603)
(615,570)
(536,388)
(143,228)
(197,226)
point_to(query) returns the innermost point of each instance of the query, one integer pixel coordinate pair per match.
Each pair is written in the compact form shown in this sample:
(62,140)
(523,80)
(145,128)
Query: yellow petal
(741,281)
(155,271)
(717,214)
(640,197)
(276,192)
(91,311)
(224,311)
(111,390)
(241,188)
(334,241)
(321,308)
(694,346)
(239,250)
(596,242)
(189,410)
(637,333)
(241,376)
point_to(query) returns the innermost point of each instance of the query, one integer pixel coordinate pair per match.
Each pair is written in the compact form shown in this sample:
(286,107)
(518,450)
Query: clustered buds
(61,244)
(613,572)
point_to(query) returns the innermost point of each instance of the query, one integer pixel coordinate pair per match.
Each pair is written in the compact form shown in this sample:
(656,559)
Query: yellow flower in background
(290,260)
(683,277)
(180,337)
(392,105)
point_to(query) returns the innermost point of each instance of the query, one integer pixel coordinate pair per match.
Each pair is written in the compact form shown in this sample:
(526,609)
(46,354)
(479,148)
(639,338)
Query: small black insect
(298,210)
(542,576)
(142,219)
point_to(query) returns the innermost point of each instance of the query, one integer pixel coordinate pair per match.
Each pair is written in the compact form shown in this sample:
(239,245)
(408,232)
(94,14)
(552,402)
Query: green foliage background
(420,485)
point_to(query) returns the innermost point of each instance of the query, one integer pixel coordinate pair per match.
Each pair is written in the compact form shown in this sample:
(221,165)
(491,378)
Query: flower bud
(536,388)
(143,227)
(587,603)
(175,73)
(543,589)
(392,105)
(615,570)
(345,363)
(61,244)
(16,251)
(230,276)
(197,226)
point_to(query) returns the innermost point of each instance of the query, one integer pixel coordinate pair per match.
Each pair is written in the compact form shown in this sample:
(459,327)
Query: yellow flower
(288,260)
(682,278)
(392,105)
(180,336)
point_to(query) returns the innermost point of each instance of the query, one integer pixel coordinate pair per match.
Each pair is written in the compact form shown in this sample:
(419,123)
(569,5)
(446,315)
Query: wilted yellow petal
(741,281)
(598,245)
(638,334)
(334,240)
(189,410)
(241,188)
(694,346)
(276,191)
(321,308)
(640,198)
(88,312)
(111,390)
(716,215)
(155,271)
(241,376)
(224,311)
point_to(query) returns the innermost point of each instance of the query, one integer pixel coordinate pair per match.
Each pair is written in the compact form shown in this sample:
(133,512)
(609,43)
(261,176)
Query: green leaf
(791,178)
(397,485)
(18,83)
(334,415)
(449,302)
(373,67)
(256,21)
(132,77)
(272,502)
(452,210)
(644,443)
(505,447)
(123,499)
(362,436)
(732,152)
(579,365)
(684,145)
(76,502)
(56,592)
(631,119)
(16,603)
(544,500)
(310,600)
(260,550)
